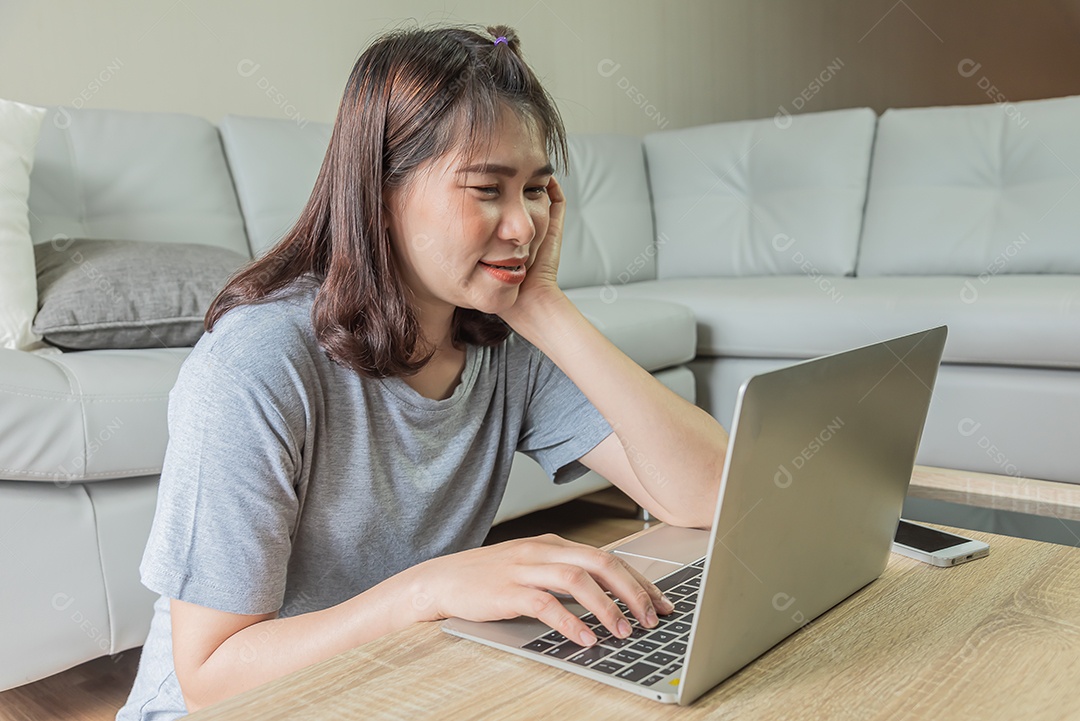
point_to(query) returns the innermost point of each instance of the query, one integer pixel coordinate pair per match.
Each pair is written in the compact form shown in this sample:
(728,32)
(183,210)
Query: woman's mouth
(510,271)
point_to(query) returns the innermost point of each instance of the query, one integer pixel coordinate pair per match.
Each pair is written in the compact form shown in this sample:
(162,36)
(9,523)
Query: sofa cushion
(1007,321)
(274,163)
(20,126)
(127,175)
(975,190)
(654,333)
(761,197)
(608,229)
(72,417)
(126,293)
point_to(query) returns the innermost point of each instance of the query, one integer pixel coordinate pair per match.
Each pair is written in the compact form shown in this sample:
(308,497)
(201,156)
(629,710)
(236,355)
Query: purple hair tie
(501,39)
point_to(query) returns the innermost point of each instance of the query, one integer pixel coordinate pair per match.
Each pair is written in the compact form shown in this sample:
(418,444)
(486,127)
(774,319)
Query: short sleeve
(227,504)
(561,424)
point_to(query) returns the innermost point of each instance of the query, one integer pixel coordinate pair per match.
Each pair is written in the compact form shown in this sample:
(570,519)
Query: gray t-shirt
(291,483)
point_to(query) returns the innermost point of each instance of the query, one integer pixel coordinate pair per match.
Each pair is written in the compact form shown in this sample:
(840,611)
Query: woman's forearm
(500,581)
(658,428)
(271,649)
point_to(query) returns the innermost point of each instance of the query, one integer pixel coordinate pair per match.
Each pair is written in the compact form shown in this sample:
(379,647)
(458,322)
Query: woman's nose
(517,224)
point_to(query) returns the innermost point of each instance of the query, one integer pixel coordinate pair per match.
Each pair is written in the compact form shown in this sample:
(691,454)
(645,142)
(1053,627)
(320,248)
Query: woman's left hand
(540,285)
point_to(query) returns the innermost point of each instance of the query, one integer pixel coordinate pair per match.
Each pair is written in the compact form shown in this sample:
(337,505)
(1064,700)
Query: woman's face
(455,220)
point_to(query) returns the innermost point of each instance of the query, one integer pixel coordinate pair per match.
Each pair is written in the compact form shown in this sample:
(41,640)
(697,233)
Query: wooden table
(1007,493)
(997,638)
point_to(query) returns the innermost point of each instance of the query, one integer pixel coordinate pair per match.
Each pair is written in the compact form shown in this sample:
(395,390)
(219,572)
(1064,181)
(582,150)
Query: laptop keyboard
(647,655)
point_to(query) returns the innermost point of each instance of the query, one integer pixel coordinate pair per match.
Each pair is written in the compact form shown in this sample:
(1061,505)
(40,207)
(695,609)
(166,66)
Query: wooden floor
(95,690)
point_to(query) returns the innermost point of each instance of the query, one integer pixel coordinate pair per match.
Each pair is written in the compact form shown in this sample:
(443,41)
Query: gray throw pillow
(127,294)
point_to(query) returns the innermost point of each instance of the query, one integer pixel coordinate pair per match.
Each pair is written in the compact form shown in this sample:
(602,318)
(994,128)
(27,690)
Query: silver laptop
(817,468)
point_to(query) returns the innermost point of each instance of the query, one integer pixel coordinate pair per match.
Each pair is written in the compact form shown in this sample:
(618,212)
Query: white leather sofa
(83,434)
(798,236)
(738,247)
(795,237)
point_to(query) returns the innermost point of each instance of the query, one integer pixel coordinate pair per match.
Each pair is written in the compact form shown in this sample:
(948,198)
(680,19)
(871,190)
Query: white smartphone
(930,545)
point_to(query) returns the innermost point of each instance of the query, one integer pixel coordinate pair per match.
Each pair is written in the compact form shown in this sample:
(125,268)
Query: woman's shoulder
(260,337)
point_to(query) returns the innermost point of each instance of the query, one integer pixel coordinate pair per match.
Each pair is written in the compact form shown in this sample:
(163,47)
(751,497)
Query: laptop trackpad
(664,549)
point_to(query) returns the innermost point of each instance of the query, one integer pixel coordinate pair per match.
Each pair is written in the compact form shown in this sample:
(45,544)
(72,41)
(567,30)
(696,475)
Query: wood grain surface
(996,638)
(1053,499)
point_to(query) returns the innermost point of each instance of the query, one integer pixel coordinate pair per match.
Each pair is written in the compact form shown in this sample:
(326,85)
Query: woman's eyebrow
(506,170)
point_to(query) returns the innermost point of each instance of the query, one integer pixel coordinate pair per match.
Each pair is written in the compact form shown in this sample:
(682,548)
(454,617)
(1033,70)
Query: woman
(341,435)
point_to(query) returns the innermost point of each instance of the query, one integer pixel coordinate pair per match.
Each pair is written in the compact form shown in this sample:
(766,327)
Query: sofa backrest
(608,230)
(608,226)
(124,175)
(274,165)
(761,197)
(973,190)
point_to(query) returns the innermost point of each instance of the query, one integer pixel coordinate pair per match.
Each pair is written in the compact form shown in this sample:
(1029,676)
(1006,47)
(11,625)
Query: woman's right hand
(517,578)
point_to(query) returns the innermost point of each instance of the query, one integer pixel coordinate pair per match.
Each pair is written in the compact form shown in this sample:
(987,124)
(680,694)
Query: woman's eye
(492,190)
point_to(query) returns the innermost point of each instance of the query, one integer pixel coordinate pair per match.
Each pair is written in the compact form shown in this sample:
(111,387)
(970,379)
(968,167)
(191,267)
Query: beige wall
(627,66)
(210,58)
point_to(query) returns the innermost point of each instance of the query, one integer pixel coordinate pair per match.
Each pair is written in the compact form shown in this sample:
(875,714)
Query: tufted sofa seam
(95,398)
(75,388)
(101,569)
(108,475)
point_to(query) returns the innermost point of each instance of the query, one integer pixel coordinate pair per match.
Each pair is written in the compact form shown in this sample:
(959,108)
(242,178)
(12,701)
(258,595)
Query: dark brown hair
(413,95)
